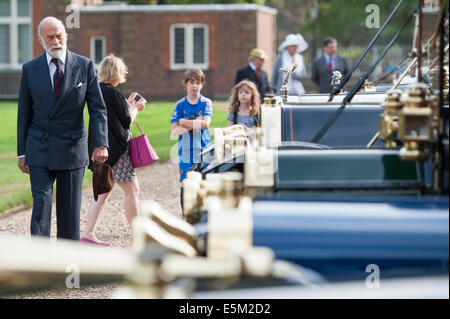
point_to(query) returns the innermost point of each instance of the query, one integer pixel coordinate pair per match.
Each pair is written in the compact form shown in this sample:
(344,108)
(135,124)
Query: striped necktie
(58,78)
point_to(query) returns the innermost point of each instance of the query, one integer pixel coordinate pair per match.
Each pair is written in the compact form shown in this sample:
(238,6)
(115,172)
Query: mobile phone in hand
(138,97)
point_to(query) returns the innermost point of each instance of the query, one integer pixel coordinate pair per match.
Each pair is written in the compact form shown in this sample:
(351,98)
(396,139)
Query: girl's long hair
(255,101)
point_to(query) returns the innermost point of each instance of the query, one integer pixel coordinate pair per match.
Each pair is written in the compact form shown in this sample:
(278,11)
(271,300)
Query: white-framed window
(189,46)
(98,49)
(15,33)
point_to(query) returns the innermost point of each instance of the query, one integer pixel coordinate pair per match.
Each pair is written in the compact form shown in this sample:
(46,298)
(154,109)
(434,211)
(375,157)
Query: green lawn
(15,186)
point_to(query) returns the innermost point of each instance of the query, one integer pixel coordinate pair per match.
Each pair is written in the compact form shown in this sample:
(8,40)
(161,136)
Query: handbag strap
(139,127)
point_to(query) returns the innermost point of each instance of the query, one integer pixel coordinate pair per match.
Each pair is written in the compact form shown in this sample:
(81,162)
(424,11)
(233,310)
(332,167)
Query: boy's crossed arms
(184,125)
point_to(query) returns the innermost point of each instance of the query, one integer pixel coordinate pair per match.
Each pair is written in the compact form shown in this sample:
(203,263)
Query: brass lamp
(416,124)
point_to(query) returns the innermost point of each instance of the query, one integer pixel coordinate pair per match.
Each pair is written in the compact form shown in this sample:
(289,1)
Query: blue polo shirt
(192,143)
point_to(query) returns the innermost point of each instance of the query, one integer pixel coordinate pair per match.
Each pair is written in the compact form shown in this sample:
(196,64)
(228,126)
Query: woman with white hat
(289,54)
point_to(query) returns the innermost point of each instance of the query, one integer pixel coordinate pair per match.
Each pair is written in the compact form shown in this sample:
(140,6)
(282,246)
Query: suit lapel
(42,79)
(70,69)
(325,64)
(340,64)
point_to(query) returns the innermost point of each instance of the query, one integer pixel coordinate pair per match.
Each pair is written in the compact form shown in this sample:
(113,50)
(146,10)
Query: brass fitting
(416,124)
(284,93)
(232,185)
(388,121)
(446,85)
(369,86)
(270,101)
(196,192)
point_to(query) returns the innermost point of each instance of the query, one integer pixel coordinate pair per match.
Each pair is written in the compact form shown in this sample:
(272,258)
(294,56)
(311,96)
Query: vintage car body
(403,236)
(434,287)
(339,206)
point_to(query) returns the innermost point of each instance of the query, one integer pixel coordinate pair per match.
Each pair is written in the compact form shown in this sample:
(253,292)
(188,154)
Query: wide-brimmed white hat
(294,39)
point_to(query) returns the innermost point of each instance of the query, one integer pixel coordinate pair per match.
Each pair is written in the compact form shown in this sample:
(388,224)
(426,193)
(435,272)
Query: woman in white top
(289,54)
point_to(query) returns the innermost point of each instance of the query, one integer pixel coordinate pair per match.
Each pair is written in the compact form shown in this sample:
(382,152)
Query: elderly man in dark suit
(51,135)
(324,66)
(254,73)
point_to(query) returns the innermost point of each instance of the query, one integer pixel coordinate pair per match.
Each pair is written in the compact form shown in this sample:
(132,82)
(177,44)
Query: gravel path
(158,182)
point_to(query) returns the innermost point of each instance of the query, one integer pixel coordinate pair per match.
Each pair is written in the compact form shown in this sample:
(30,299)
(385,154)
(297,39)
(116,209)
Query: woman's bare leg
(94,212)
(131,191)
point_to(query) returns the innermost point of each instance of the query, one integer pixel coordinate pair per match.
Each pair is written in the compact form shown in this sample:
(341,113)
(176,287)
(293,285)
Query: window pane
(4,44)
(24,43)
(179,46)
(23,8)
(98,46)
(199,45)
(5,8)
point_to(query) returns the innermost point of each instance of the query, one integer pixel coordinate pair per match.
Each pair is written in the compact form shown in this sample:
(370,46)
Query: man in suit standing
(254,73)
(324,66)
(51,136)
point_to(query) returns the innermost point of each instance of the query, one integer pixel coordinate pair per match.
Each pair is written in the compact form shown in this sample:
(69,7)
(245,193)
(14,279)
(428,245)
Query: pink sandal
(85,240)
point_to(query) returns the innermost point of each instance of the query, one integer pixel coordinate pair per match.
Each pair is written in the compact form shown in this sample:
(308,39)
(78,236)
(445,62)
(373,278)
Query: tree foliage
(346,21)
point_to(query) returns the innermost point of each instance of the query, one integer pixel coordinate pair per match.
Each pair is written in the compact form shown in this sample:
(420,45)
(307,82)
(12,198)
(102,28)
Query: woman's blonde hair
(255,101)
(112,69)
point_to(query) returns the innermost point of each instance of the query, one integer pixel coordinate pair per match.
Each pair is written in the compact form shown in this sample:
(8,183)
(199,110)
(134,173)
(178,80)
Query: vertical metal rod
(415,34)
(441,100)
(419,45)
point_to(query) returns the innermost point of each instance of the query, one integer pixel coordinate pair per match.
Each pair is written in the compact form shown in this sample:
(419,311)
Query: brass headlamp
(416,124)
(412,122)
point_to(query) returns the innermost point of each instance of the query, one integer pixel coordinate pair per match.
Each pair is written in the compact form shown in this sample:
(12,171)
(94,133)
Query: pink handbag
(141,151)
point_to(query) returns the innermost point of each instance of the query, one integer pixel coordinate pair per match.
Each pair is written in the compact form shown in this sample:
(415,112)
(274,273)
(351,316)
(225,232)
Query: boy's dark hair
(328,40)
(195,74)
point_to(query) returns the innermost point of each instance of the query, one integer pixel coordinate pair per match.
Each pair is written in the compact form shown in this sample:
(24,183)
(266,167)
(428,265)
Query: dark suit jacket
(54,136)
(321,75)
(262,83)
(119,121)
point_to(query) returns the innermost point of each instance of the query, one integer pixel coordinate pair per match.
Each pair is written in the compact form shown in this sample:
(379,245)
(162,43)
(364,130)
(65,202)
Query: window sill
(10,68)
(203,67)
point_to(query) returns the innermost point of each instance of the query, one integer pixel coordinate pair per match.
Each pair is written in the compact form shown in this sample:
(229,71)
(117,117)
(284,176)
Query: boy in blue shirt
(191,120)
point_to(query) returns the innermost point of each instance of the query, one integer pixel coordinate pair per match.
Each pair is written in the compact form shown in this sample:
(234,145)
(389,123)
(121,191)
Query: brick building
(157,42)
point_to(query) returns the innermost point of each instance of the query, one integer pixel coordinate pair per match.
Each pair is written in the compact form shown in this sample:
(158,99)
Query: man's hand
(100,155)
(22,166)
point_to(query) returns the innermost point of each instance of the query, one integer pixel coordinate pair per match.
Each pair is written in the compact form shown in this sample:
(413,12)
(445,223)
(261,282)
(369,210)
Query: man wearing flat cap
(254,73)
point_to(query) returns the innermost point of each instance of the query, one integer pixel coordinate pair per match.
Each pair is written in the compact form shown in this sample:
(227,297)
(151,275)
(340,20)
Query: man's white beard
(58,54)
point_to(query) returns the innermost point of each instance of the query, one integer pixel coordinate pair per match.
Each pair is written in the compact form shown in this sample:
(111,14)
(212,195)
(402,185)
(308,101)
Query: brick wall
(142,39)
(266,30)
(42,9)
